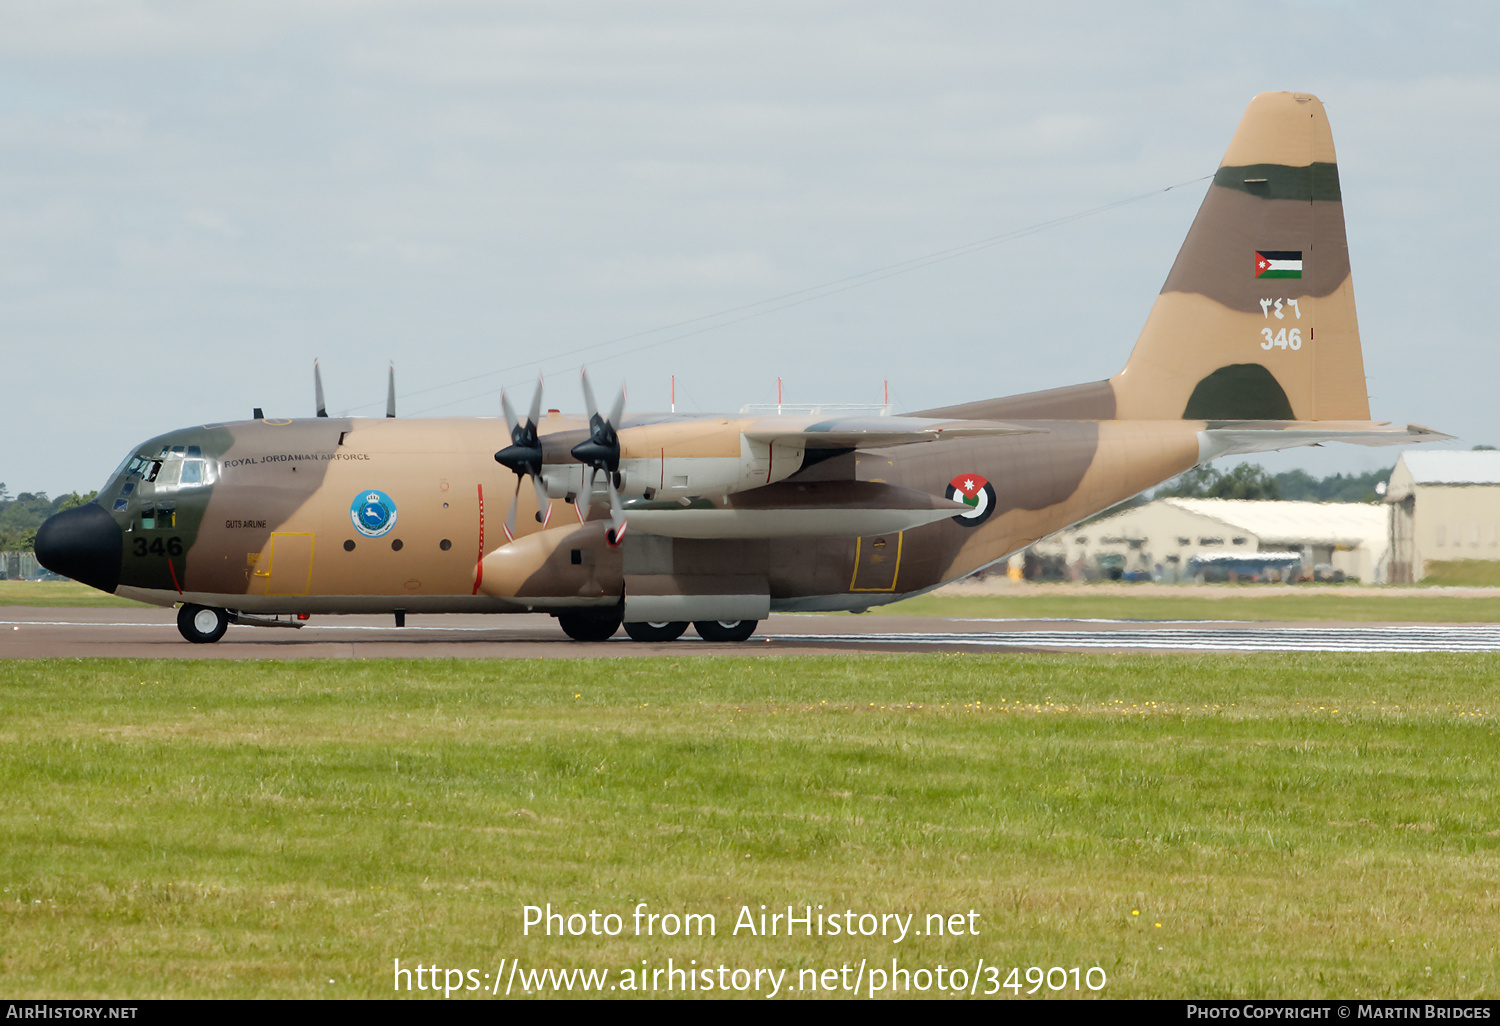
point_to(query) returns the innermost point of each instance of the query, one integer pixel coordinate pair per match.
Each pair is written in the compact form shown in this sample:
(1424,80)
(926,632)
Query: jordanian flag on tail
(1278,263)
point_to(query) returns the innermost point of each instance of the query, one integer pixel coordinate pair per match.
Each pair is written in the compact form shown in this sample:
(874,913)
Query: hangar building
(1186,539)
(1445,505)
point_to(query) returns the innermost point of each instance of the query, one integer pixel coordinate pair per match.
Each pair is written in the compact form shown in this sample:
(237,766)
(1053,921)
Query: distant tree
(1246,481)
(1477,448)
(1192,484)
(20,517)
(1296,484)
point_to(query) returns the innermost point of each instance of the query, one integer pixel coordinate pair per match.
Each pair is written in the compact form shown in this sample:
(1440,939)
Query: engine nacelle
(673,473)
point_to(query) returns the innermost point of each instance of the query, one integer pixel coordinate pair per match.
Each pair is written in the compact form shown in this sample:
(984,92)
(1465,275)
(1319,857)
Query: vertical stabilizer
(1256,320)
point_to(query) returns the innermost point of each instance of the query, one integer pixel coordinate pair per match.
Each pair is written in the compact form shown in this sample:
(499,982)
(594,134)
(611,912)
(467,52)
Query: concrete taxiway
(31,632)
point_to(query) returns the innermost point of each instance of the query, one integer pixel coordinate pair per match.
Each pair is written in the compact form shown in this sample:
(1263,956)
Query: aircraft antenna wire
(788,300)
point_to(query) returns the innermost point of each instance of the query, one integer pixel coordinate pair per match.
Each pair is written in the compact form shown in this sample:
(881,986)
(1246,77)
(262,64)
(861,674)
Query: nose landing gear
(202,625)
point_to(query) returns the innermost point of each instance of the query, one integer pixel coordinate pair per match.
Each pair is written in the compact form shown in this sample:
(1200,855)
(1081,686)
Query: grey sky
(196,200)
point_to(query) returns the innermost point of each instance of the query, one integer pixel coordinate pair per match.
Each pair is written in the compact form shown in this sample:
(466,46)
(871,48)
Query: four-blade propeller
(524,456)
(601,452)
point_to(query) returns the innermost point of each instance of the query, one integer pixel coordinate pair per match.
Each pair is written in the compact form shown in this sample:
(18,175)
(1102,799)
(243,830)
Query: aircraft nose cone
(83,543)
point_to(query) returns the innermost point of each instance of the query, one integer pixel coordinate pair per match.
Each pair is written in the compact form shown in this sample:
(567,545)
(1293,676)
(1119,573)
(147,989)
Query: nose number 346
(157,547)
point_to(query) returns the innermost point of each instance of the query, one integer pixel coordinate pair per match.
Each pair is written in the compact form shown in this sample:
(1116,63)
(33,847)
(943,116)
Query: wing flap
(873,432)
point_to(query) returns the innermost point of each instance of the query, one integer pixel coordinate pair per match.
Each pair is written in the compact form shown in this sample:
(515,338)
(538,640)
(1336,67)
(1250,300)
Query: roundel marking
(974,491)
(373,513)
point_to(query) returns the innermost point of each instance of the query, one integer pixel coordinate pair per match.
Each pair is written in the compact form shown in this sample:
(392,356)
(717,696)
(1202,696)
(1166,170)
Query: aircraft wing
(1222,438)
(871,432)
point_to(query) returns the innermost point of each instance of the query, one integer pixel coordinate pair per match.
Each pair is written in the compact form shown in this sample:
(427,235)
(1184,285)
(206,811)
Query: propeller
(524,456)
(601,452)
(390,392)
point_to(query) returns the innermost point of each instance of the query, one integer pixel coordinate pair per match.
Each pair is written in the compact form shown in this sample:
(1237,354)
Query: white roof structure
(1168,538)
(1446,466)
(1342,523)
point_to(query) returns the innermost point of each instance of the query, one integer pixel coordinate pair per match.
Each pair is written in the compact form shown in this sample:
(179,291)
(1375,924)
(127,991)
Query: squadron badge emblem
(373,513)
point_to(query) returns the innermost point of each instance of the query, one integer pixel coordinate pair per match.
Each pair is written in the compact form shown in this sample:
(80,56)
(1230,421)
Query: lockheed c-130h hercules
(661,520)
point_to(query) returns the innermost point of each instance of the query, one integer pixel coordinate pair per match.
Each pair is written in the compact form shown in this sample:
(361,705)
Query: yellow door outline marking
(271,558)
(900,535)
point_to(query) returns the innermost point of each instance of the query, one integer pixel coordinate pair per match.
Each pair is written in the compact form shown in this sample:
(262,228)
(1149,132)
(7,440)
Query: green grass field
(1319,603)
(1230,826)
(1462,572)
(55,594)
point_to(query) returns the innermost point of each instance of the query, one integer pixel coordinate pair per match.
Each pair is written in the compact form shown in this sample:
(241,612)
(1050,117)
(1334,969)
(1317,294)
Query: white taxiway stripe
(1405,638)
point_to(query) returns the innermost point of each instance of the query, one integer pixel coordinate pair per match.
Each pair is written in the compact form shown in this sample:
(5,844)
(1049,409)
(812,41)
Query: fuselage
(333,515)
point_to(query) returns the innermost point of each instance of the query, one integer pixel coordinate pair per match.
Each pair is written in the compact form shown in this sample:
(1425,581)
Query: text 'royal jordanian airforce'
(658,521)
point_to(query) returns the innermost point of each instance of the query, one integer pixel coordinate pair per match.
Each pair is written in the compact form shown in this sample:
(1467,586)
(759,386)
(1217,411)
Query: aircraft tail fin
(1256,320)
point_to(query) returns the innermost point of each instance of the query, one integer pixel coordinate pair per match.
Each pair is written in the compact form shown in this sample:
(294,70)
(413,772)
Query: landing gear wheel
(586,627)
(202,625)
(725,630)
(667,630)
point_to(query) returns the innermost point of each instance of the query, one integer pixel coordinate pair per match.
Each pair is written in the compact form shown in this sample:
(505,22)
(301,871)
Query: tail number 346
(1286,338)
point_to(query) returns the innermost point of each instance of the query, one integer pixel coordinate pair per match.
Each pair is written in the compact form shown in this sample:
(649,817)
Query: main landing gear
(667,630)
(589,626)
(595,627)
(724,630)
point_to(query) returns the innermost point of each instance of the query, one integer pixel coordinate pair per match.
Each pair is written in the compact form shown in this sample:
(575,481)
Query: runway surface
(30,632)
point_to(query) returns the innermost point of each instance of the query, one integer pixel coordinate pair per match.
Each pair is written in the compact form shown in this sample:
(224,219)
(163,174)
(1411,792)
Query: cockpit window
(172,466)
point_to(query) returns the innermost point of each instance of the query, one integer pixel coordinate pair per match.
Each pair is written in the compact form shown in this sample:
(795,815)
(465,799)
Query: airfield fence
(19,566)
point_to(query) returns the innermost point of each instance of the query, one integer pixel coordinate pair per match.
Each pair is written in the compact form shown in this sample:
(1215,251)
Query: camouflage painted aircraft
(729,518)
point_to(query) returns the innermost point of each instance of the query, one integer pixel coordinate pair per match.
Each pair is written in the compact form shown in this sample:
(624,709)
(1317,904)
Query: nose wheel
(202,625)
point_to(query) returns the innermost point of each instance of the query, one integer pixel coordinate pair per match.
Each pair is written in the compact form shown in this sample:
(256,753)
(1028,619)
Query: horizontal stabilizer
(1270,435)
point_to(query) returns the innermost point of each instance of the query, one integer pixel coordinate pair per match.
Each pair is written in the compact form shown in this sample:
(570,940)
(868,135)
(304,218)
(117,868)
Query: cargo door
(288,569)
(876,561)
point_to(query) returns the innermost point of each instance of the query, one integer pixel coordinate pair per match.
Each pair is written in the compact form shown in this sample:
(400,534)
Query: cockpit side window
(171,468)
